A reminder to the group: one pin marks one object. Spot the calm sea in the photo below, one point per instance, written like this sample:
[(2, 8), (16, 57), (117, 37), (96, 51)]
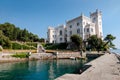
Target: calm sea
[(39, 70), (117, 51)]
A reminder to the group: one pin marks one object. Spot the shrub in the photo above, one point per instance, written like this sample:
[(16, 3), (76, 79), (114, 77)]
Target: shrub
[(27, 47), (34, 44), (21, 55), (4, 41), (56, 46), (43, 44), (16, 45)]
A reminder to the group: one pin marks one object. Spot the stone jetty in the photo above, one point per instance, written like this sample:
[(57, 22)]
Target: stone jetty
[(106, 67)]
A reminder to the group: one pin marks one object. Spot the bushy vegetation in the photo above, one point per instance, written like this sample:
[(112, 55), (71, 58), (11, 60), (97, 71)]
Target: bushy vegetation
[(97, 44), (9, 32), (17, 46), (21, 55), (109, 38), (27, 47), (4, 41), (93, 43), (56, 46), (77, 40), (15, 33), (34, 44)]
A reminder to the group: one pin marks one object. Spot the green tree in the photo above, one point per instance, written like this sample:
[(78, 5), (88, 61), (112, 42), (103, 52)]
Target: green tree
[(15, 33), (25, 35), (109, 38), (42, 40), (77, 40), (4, 41), (8, 30), (95, 43), (35, 38)]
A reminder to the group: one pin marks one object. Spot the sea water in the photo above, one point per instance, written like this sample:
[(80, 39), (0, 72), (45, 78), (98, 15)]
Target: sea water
[(117, 51), (39, 70)]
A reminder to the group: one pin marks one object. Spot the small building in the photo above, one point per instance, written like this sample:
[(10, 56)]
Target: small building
[(56, 35)]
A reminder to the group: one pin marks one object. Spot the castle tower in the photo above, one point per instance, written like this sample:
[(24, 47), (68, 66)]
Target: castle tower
[(51, 34), (96, 17)]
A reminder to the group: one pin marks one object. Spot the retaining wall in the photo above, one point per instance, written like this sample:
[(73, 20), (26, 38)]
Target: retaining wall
[(59, 55)]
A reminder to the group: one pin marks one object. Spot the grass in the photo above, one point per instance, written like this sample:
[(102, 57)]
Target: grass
[(52, 51), (18, 51), (21, 55)]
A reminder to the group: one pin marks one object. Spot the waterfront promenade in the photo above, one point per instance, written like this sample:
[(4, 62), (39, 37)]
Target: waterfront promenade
[(106, 67)]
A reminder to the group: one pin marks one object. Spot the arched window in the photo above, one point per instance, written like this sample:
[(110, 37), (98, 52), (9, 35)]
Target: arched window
[(60, 32)]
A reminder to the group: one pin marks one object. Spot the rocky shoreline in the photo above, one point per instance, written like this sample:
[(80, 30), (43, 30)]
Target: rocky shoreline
[(6, 57)]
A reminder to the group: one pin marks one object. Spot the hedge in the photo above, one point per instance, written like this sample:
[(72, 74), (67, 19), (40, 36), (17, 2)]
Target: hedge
[(21, 55), (56, 46), (16, 45)]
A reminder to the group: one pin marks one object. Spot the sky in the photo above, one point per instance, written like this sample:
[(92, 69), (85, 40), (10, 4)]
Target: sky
[(37, 15)]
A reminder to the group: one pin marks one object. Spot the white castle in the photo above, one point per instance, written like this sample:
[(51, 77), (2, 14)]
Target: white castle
[(81, 25)]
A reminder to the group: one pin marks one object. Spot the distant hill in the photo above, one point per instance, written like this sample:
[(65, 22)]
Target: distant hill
[(16, 34)]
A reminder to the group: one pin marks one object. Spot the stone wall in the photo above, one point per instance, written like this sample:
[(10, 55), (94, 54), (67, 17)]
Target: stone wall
[(59, 55), (68, 55)]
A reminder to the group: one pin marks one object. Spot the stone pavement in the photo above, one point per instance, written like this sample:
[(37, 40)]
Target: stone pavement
[(106, 67)]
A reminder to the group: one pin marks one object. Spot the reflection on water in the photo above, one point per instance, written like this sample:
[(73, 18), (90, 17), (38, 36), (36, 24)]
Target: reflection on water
[(38, 70)]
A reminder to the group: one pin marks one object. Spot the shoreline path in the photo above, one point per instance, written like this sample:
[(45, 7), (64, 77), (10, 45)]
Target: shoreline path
[(106, 67)]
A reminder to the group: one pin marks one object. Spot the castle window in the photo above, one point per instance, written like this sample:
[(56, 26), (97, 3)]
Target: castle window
[(70, 26), (65, 30), (78, 31), (91, 29), (70, 33), (53, 31), (53, 41), (94, 18), (60, 39), (87, 29), (65, 35), (60, 32), (78, 24)]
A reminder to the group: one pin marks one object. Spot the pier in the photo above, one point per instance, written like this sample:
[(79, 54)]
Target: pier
[(106, 67)]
